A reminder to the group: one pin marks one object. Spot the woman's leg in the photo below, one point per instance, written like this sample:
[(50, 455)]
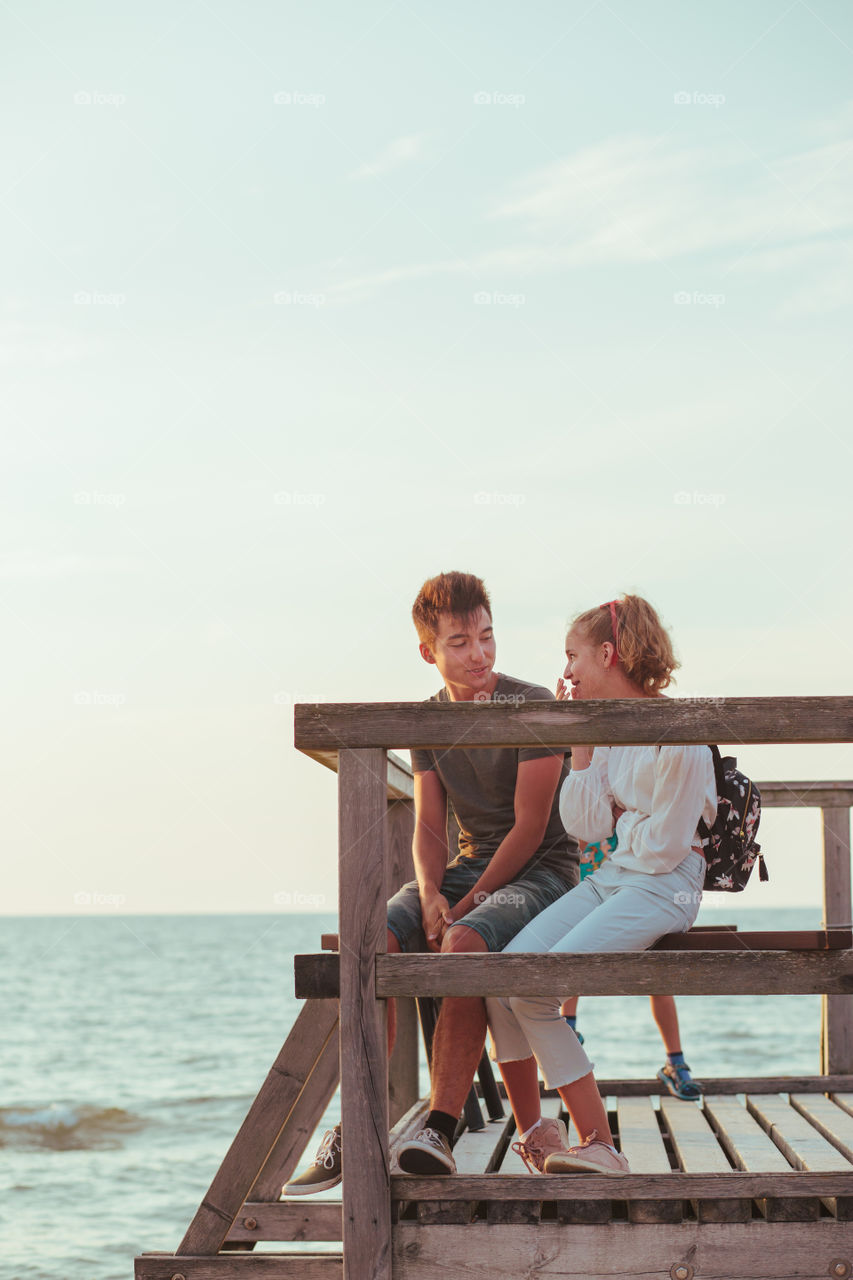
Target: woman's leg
[(509, 1043), (522, 1088), (586, 1107), (510, 1048), (637, 909)]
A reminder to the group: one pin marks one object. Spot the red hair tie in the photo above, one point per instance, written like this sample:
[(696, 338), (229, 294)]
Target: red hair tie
[(611, 604)]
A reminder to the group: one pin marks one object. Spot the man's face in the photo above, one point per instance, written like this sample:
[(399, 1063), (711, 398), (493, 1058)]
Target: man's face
[(464, 652)]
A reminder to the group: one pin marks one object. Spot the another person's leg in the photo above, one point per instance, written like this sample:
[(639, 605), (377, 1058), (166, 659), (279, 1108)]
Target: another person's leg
[(675, 1073), (666, 1017)]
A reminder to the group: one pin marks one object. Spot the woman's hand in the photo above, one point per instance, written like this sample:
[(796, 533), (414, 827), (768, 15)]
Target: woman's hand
[(581, 756)]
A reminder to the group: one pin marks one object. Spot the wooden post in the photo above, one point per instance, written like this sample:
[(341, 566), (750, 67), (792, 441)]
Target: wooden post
[(403, 1069), (836, 1039), (364, 1057)]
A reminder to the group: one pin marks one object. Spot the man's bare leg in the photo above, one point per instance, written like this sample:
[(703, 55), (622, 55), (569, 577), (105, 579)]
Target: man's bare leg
[(460, 1034)]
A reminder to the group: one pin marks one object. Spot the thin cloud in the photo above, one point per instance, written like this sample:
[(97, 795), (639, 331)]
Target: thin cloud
[(637, 199), (396, 153)]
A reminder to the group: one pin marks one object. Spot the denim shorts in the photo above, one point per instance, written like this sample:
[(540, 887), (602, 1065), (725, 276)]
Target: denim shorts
[(499, 918)]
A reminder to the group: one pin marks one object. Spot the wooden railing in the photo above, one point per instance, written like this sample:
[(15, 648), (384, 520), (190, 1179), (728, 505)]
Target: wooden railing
[(355, 739)]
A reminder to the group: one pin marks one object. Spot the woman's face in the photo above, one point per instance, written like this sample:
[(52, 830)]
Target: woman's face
[(586, 666)]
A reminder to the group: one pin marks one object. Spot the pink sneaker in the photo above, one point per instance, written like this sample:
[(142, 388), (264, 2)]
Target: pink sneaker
[(592, 1156), (548, 1138)]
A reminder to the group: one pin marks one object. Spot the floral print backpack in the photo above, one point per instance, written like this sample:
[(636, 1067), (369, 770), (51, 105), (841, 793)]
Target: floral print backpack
[(729, 845)]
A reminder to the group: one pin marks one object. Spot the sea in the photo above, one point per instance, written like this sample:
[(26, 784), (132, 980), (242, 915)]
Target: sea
[(132, 1047)]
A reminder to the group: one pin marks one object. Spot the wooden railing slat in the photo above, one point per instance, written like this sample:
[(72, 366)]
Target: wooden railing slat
[(606, 722), (836, 1010), (364, 1055), (260, 1129), (636, 973)]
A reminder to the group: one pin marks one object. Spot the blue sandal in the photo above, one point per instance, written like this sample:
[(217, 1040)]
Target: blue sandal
[(680, 1083)]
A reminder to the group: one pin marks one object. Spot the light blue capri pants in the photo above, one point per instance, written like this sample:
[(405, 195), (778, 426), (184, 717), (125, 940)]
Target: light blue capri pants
[(616, 909)]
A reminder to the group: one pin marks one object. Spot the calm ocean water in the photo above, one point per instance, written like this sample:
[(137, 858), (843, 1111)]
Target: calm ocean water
[(134, 1045)]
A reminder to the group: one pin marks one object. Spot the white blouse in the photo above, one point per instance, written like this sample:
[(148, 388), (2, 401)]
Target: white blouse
[(664, 792)]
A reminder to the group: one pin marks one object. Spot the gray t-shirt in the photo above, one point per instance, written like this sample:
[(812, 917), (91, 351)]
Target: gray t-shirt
[(480, 785)]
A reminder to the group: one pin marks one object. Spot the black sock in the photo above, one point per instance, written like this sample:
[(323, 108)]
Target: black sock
[(443, 1122)]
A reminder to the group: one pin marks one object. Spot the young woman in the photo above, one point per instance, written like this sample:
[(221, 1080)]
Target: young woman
[(650, 885)]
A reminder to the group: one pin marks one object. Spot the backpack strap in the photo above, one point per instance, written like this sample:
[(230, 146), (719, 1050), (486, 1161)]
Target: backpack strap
[(719, 781)]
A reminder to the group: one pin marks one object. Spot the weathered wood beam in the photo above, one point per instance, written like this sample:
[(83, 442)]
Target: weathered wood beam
[(330, 726), (725, 937), (727, 1085), (805, 795), (362, 809), (237, 1266), (836, 1010), (640, 973), (642, 1186), (710, 1251), (313, 1220)]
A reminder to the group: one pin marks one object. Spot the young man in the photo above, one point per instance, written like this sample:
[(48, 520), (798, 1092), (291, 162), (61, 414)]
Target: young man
[(514, 859)]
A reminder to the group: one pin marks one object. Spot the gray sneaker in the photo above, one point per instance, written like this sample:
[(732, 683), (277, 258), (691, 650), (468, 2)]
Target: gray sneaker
[(325, 1171), (427, 1152)]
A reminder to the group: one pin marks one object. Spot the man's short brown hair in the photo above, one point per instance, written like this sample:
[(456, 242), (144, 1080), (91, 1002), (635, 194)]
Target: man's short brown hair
[(454, 595)]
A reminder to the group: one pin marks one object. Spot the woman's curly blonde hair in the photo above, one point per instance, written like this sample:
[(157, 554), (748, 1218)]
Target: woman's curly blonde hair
[(643, 644)]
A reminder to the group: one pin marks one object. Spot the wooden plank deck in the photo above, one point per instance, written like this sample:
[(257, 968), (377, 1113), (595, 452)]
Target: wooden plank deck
[(641, 1141), (803, 1145), (751, 1149), (697, 1150)]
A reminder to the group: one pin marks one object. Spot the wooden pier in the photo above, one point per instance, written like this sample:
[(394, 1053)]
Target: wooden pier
[(755, 1182)]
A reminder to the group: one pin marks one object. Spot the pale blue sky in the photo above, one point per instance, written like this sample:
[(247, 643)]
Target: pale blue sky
[(304, 304)]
